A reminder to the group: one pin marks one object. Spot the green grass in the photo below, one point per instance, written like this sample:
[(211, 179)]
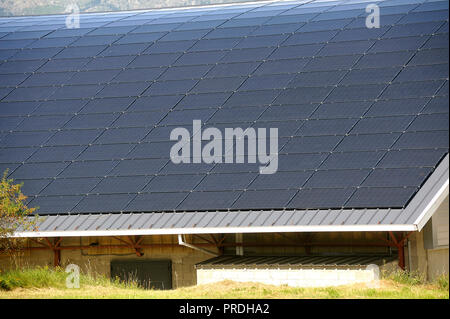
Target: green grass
[(44, 277), (50, 283)]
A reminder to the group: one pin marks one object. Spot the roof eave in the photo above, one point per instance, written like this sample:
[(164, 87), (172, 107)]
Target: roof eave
[(412, 218)]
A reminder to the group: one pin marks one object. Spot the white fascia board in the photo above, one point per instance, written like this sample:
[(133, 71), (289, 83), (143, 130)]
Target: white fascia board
[(431, 194), (432, 206), (218, 230)]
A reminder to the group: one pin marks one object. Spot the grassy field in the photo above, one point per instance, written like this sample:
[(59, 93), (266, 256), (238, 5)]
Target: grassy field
[(46, 283)]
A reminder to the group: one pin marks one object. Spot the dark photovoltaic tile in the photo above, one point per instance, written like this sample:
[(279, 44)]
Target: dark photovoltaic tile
[(382, 124), (120, 184), (155, 202), (72, 186), (362, 114), (208, 200), (55, 204), (88, 169), (337, 178), (368, 142), (103, 203), (418, 140), (320, 198), (396, 177), (372, 197), (411, 158), (352, 160), (264, 199)]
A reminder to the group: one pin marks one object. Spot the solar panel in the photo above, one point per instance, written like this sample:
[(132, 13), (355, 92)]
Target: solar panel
[(426, 121), (437, 105), (396, 177), (38, 170), (411, 89), (382, 124), (18, 139), (94, 107), (385, 59), (105, 152), (252, 98), (36, 54), (208, 200), (303, 95), (356, 93), (337, 178), (72, 186), (173, 183), (352, 160), (16, 154), (331, 63), (247, 55), (430, 139), (368, 142), (55, 204), (280, 180), (310, 37), (360, 34), (263, 199), (103, 203), (155, 103), (88, 169), (218, 85), (120, 184), (229, 115), (321, 198), (226, 33), (295, 51), (370, 76), (429, 56), (221, 182), (341, 110), (311, 144), (370, 196), (324, 78), (32, 187), (408, 30), (411, 158), (56, 154)]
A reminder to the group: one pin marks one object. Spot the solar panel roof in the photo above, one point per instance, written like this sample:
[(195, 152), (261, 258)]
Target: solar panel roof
[(362, 114)]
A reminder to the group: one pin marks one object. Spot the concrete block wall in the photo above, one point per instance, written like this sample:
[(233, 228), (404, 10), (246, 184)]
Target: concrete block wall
[(290, 277)]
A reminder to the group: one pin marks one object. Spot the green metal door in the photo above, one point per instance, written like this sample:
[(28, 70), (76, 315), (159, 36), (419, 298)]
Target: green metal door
[(149, 274)]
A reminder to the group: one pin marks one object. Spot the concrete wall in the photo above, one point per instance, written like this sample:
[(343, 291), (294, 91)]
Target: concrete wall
[(428, 250), (290, 277), (98, 260)]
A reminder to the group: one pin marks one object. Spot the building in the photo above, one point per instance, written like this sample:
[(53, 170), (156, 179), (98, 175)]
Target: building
[(362, 116)]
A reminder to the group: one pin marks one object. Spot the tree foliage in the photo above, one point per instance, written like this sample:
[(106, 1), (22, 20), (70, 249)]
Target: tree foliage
[(14, 213)]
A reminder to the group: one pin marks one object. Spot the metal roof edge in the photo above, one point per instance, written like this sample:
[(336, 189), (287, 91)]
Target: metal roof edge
[(412, 218), (430, 196), (216, 230)]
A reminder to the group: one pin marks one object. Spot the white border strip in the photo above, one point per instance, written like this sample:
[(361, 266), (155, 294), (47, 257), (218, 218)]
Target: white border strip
[(218, 230), (432, 206)]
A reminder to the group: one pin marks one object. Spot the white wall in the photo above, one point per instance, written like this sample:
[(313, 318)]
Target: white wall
[(290, 277)]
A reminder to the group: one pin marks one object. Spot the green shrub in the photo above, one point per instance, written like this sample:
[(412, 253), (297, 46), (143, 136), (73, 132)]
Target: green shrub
[(405, 277), (442, 281)]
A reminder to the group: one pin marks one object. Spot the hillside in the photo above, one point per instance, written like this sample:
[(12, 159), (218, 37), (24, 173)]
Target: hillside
[(39, 7)]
